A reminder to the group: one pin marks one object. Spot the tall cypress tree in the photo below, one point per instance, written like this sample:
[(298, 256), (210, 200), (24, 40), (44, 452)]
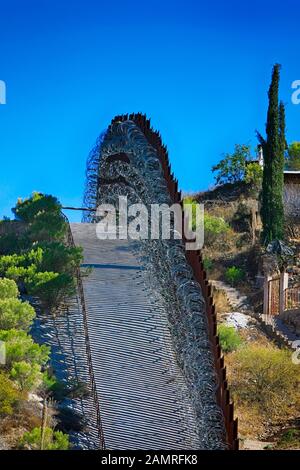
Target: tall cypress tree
[(273, 148)]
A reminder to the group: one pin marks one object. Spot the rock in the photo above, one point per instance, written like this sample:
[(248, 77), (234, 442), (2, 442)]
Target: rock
[(270, 264), (34, 397), (237, 320), (4, 445), (255, 444)]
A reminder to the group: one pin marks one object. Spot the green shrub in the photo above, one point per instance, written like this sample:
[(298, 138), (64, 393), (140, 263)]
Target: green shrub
[(27, 376), (47, 227), (21, 347), (9, 261), (231, 168), (8, 289), (9, 395), (15, 314), (42, 213), (49, 380), (27, 209), (51, 288), (60, 258), (289, 439), (16, 267), (214, 229), (31, 257), (47, 269), (57, 389), (207, 264), (192, 202), (293, 157), (229, 338), (60, 390), (254, 174), (234, 275), (34, 257), (266, 378), (53, 440), (13, 243), (19, 273)]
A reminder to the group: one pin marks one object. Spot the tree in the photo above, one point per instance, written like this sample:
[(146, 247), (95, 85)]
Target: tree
[(273, 148), (15, 314), (254, 175), (8, 289), (21, 347), (60, 258), (293, 157), (42, 213), (47, 272), (47, 226), (27, 376), (53, 440), (27, 209), (46, 267), (51, 288), (12, 243), (231, 168)]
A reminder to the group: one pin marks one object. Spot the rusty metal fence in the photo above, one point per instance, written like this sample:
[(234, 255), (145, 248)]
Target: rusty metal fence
[(194, 258), (292, 298), (274, 296)]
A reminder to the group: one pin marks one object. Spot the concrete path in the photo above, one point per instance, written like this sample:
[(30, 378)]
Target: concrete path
[(238, 301)]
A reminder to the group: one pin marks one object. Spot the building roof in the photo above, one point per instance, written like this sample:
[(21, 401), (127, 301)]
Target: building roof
[(291, 176)]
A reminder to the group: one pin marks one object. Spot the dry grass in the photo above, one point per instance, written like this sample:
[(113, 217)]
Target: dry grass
[(265, 387), (254, 424), (254, 333), (221, 302), (251, 424), (225, 211), (26, 417)]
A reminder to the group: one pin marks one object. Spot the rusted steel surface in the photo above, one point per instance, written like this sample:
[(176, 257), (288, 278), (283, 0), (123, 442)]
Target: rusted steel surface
[(274, 296), (194, 258), (292, 297)]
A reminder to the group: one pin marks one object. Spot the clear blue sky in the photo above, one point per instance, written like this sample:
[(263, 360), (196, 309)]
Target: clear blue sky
[(200, 70)]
